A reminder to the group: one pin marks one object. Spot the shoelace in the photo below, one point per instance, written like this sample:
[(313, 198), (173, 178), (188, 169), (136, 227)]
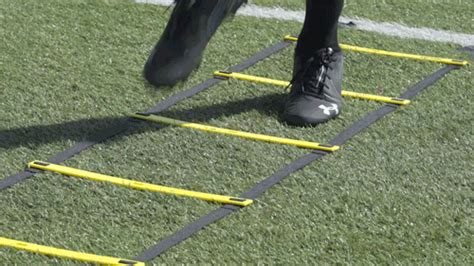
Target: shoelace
[(321, 59)]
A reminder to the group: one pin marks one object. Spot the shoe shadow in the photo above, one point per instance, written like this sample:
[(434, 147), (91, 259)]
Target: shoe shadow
[(87, 129)]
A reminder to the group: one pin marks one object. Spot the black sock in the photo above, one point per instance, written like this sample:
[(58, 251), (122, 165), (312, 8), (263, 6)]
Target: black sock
[(320, 26)]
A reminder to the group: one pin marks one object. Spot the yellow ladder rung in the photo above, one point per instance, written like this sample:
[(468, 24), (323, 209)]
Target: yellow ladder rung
[(68, 254), (236, 133), (137, 185), (365, 50), (281, 83)]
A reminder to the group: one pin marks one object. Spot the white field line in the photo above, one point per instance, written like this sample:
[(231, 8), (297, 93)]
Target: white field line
[(392, 29)]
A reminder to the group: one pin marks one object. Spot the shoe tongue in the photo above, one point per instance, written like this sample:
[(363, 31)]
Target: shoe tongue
[(314, 74), (313, 70), (315, 59), (309, 68)]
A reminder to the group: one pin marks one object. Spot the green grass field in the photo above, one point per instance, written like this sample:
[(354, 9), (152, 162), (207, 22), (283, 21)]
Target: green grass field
[(454, 15), (399, 192)]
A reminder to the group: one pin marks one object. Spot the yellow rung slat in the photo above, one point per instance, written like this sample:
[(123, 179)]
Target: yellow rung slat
[(138, 185), (230, 132), (68, 254), (365, 50), (281, 83), (375, 98)]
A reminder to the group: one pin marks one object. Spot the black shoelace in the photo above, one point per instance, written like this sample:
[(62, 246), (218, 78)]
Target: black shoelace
[(313, 84)]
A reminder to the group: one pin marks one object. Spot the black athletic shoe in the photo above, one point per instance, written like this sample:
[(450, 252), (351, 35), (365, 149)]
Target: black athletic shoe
[(189, 29), (315, 95)]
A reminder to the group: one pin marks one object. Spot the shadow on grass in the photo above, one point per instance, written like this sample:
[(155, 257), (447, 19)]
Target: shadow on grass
[(87, 129)]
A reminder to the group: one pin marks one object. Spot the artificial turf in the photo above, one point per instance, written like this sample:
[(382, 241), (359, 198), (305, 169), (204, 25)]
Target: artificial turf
[(400, 192), (452, 15)]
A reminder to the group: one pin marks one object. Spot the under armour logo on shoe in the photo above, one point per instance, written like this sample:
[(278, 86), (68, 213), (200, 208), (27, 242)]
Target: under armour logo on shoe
[(327, 110)]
